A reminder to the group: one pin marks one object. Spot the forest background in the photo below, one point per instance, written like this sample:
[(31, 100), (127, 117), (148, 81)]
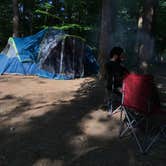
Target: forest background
[(136, 25)]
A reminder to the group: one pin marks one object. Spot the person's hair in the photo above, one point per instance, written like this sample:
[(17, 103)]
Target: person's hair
[(116, 51)]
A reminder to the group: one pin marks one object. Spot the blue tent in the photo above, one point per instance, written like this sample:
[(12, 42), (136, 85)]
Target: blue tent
[(50, 53)]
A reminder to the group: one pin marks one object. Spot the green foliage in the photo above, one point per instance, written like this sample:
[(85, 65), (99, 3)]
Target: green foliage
[(71, 26), (46, 6), (161, 26), (5, 22), (47, 14), (161, 17), (77, 17)]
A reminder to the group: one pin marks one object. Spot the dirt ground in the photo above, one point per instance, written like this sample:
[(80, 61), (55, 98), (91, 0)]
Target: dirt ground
[(61, 123)]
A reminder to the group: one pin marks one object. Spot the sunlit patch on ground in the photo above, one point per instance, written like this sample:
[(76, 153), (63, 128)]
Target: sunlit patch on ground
[(100, 124)]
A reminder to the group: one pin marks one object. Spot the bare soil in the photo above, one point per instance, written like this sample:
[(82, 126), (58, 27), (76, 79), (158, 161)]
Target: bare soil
[(58, 123)]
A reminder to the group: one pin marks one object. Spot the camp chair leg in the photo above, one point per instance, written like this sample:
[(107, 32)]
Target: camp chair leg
[(163, 128), (147, 147), (152, 142), (126, 129), (122, 132), (121, 122), (132, 130), (111, 111)]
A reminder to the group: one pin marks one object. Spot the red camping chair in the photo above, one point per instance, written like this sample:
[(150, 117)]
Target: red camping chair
[(137, 106)]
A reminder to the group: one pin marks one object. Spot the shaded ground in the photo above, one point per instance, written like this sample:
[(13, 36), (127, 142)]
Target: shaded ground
[(56, 123)]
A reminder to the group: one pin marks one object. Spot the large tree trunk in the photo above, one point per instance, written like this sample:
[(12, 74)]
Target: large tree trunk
[(146, 32), (28, 15), (107, 27), (149, 16), (15, 18)]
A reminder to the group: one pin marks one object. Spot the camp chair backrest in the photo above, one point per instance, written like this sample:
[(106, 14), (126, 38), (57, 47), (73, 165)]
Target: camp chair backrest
[(137, 92)]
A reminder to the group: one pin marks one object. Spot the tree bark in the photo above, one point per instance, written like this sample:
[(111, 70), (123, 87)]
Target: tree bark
[(15, 18), (145, 39), (149, 16), (108, 18), (28, 15)]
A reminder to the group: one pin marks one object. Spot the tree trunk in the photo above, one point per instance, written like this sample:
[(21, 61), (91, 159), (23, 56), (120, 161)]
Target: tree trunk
[(107, 27), (28, 15), (15, 18), (149, 16), (146, 32)]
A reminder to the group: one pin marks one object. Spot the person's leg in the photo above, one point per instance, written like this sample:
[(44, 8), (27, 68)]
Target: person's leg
[(116, 100), (110, 102)]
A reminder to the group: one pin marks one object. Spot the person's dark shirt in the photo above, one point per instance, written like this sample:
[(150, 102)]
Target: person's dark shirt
[(114, 74)]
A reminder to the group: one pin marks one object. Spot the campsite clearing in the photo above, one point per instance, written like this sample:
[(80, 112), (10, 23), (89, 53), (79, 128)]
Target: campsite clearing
[(59, 122)]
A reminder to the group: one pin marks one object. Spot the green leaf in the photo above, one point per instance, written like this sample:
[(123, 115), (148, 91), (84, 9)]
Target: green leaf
[(73, 26), (47, 14)]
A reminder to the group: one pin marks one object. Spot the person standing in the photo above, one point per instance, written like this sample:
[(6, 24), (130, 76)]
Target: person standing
[(113, 76)]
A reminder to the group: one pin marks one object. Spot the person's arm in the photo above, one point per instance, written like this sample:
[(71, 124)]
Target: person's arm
[(125, 71)]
